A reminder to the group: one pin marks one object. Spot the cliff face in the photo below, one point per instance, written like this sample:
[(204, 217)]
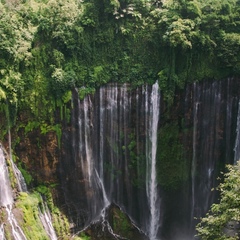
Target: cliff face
[(40, 155), (102, 154)]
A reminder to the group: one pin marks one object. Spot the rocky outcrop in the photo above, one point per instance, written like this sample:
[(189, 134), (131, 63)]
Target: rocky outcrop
[(39, 155)]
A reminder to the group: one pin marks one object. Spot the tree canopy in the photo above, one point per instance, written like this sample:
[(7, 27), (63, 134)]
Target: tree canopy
[(47, 47)]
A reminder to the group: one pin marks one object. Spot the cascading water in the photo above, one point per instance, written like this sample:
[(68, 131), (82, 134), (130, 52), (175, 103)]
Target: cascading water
[(213, 120), (152, 186), (110, 134), (207, 106), (237, 141), (109, 155), (193, 167), (46, 220), (22, 186), (6, 199), (2, 233), (17, 232)]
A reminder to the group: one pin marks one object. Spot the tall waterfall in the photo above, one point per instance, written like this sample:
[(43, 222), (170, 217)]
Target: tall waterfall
[(237, 141), (206, 143), (110, 155), (110, 151), (194, 157), (151, 151), (214, 129)]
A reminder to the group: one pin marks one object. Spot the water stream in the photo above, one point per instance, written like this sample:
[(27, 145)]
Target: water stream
[(2, 233), (237, 141), (46, 220), (109, 155), (112, 153), (22, 186), (6, 199), (152, 185)]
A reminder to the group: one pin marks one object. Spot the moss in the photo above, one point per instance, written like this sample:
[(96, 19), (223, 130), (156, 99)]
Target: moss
[(27, 176), (83, 91), (29, 203), (12, 177), (172, 167), (82, 236), (60, 222), (31, 224), (120, 222)]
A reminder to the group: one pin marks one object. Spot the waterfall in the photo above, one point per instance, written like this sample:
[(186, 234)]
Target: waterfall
[(22, 186), (46, 221), (214, 134), (109, 154), (6, 199), (17, 232), (87, 125), (207, 107), (152, 191), (237, 141), (194, 158), (2, 234)]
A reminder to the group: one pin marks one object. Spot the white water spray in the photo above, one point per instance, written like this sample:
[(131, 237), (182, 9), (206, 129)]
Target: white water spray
[(152, 192), (237, 141), (22, 186), (17, 232), (46, 220), (193, 168), (2, 233), (6, 200), (6, 197), (87, 134)]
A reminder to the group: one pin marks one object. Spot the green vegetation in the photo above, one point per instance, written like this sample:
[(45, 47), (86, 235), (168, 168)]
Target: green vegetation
[(172, 167), (82, 236), (31, 224), (48, 47), (27, 176), (60, 222), (121, 224), (217, 223), (28, 205)]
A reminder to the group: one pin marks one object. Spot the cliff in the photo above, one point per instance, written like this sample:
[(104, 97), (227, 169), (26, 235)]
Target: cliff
[(101, 158)]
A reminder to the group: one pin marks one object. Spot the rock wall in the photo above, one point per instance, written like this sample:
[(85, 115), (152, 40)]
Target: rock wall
[(197, 132)]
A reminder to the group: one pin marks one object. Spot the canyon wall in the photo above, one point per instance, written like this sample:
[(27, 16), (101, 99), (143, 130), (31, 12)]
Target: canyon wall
[(105, 147)]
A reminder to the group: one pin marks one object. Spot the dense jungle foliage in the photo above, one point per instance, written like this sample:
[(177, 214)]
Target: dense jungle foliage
[(49, 47)]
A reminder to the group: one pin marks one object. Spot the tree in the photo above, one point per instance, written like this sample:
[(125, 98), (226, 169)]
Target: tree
[(222, 221)]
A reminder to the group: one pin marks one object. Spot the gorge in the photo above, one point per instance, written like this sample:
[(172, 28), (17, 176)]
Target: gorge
[(125, 147)]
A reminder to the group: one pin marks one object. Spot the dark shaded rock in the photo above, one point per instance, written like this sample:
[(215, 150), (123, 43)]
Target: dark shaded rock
[(116, 225)]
